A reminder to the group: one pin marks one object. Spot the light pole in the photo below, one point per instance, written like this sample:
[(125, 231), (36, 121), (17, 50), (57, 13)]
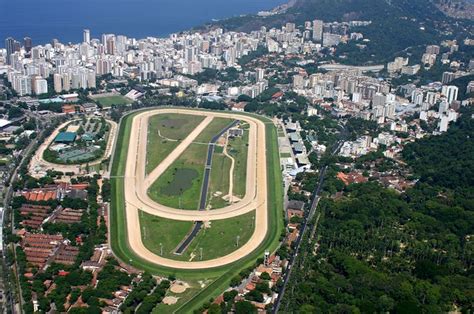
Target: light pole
[(237, 241), (200, 250)]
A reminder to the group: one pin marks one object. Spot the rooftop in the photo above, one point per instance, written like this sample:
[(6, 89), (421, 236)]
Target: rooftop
[(65, 137)]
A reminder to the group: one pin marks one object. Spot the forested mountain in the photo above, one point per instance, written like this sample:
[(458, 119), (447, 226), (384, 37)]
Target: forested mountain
[(380, 251), (384, 252), (456, 8), (396, 24), (446, 160)]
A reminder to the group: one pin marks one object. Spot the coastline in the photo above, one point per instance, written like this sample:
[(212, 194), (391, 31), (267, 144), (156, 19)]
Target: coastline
[(170, 18)]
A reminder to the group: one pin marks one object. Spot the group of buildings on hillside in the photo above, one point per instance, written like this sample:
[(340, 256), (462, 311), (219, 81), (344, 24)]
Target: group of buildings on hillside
[(76, 66)]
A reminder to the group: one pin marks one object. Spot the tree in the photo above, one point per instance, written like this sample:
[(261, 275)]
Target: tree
[(244, 307), (235, 281), (230, 295), (265, 276), (14, 112)]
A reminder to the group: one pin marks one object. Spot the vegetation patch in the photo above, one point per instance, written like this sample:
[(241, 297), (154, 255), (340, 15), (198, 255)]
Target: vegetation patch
[(181, 190), (219, 180), (181, 182), (115, 100), (221, 237), (161, 235), (81, 141), (216, 125), (164, 133), (238, 149), (217, 238)]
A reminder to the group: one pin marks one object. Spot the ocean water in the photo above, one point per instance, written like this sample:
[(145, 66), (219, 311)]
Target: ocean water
[(43, 20)]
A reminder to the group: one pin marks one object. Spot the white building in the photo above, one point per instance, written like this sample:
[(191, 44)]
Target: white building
[(40, 85), (451, 92)]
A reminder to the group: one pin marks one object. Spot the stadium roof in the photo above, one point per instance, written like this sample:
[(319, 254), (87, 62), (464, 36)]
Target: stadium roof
[(65, 137)]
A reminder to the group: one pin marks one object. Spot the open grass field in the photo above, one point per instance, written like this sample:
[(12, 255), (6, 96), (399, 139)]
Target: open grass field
[(164, 133), (169, 233), (109, 101), (218, 277), (216, 125), (219, 181), (219, 238), (238, 150), (180, 185), (220, 173)]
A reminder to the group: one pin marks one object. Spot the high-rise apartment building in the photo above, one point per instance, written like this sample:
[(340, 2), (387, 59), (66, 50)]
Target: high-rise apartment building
[(10, 45), (317, 30), (58, 84), (28, 44), (451, 93), (86, 35), (40, 85), (260, 74), (111, 45)]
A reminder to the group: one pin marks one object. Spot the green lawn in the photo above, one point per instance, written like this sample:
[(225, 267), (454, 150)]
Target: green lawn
[(238, 149), (220, 276), (219, 180), (220, 173), (117, 100), (193, 158), (219, 239), (186, 194), (216, 125), (172, 127), (156, 230)]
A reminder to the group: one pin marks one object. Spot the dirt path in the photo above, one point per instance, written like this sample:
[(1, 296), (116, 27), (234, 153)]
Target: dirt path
[(230, 194)]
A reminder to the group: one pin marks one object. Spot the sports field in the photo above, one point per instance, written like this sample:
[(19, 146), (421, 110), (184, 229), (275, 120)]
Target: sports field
[(115, 100)]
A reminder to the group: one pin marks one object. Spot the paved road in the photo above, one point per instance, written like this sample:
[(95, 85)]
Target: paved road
[(304, 227), (6, 204), (190, 237), (137, 183), (207, 170), (204, 188)]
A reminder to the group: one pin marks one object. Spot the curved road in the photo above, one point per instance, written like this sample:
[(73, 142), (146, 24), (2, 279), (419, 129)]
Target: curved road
[(38, 165), (137, 183)]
